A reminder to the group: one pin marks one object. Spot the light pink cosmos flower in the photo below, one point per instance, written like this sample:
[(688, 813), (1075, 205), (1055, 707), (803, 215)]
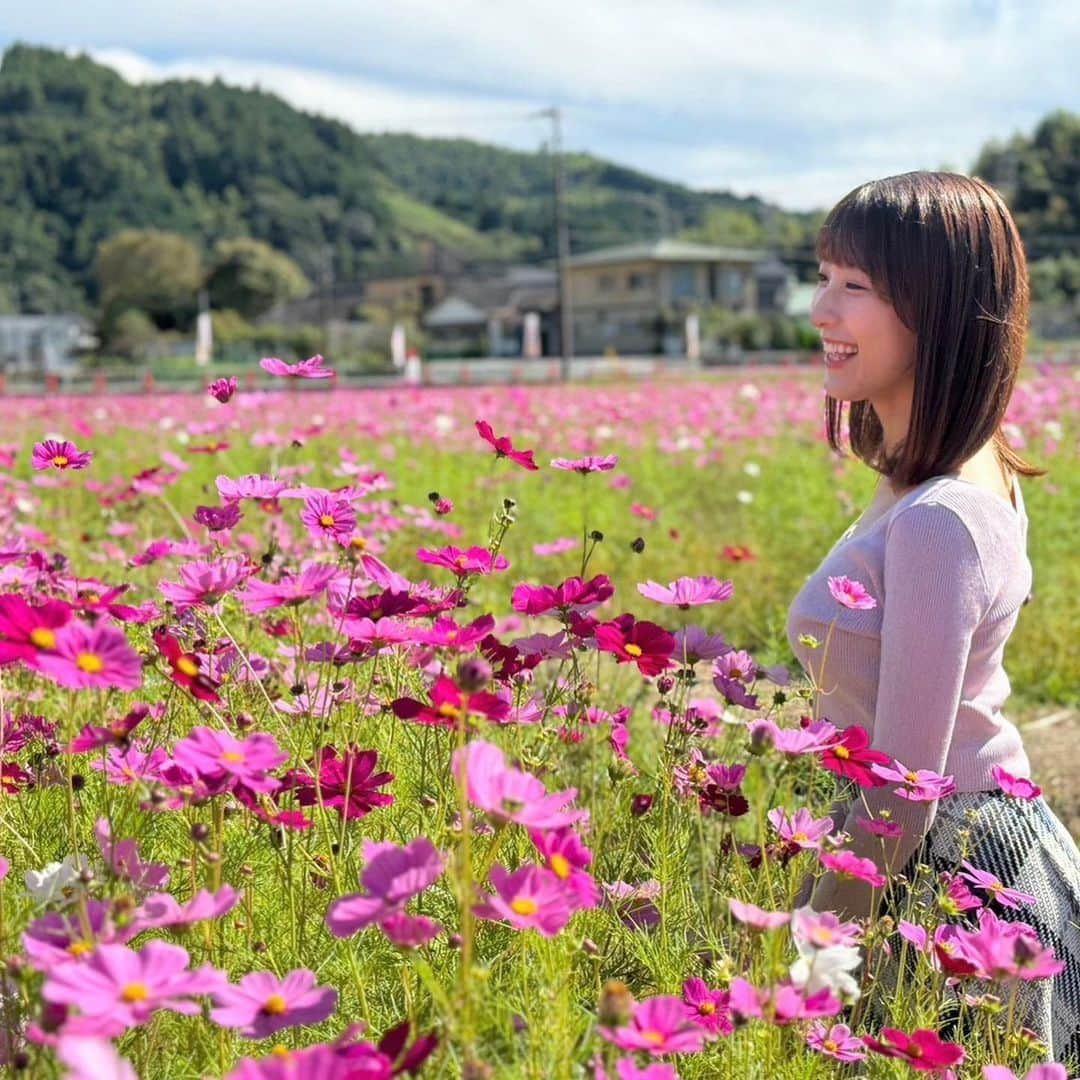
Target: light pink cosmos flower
[(851, 594), (86, 657), (1016, 787), (162, 909), (1005, 951), (919, 785), (801, 829), (848, 864), (392, 876), (59, 454), (222, 760), (410, 931), (836, 1042), (508, 794), (529, 898), (695, 644), (555, 547), (89, 1058), (823, 930), (122, 859), (585, 465), (1036, 1072), (328, 517), (251, 486), (261, 1003), (628, 1069), (311, 368), (757, 918), (117, 988), (658, 1025), (782, 1003), (1008, 898), (813, 739), (292, 589), (687, 592), (205, 583)]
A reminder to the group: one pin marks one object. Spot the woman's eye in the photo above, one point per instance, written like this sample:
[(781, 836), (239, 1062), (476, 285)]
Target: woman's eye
[(854, 286)]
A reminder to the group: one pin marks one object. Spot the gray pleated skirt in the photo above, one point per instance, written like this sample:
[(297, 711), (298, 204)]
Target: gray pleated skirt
[(1026, 847)]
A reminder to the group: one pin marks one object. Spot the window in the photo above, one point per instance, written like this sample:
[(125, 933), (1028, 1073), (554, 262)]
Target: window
[(683, 282), (638, 279), (605, 283)]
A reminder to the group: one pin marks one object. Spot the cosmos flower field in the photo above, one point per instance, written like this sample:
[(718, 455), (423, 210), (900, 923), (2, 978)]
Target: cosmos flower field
[(454, 732)]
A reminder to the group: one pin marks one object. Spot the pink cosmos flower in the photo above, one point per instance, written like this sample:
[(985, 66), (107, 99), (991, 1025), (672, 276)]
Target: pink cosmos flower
[(1016, 787), (160, 910), (218, 518), (529, 898), (122, 859), (311, 368), (643, 643), (802, 830), (658, 1025), (782, 1003), (58, 937), (585, 465), (85, 657), (222, 389), (451, 705), (222, 760), (26, 629), (508, 794), (852, 757), (291, 590), (1009, 898), (836, 1042), (116, 988), (923, 1050), (851, 594), (848, 864), (706, 1007), (59, 454), (504, 448), (474, 560), (1004, 951), (261, 1003), (556, 547), (823, 930), (628, 1069), (697, 644), (566, 857), (446, 634), (328, 517), (392, 876), (573, 594), (687, 592), (757, 918), (880, 826), (409, 931), (251, 486), (813, 739), (919, 785), (89, 1058), (1036, 1072)]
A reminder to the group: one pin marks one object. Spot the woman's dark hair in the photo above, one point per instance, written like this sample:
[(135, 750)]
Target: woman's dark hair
[(944, 250)]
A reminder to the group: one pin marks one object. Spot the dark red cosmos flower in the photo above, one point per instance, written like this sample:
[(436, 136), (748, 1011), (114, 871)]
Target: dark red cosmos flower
[(217, 518), (923, 1050), (14, 778), (26, 629), (347, 783), (507, 658), (851, 757), (504, 448), (185, 668), (398, 1057), (642, 643), (449, 705), (222, 389), (385, 604), (117, 733)]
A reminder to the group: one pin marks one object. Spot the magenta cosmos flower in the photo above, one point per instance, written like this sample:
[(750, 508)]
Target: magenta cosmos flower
[(836, 1042), (1004, 951), (392, 876), (642, 643), (508, 794), (204, 583), (504, 447), (1009, 898), (923, 1050), (289, 591), (451, 705), (222, 760), (782, 1003), (311, 368), (848, 864), (852, 757), (59, 454), (566, 857), (250, 486), (26, 629), (1036, 1072), (261, 1003), (687, 592), (658, 1025), (87, 657), (328, 517), (851, 594), (573, 594), (801, 830), (706, 1007), (1016, 787), (530, 898), (586, 465), (115, 988), (474, 560), (222, 389), (348, 783), (159, 910)]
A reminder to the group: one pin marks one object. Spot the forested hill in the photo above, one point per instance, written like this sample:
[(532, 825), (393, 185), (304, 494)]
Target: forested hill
[(84, 154)]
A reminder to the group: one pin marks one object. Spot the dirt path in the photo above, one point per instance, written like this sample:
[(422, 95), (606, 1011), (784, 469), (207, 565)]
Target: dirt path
[(1052, 740)]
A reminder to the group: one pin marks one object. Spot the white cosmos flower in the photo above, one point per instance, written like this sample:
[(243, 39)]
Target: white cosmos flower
[(831, 967), (48, 884), (745, 497), (752, 468)]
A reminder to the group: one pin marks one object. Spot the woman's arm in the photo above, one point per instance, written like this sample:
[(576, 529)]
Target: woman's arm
[(935, 596)]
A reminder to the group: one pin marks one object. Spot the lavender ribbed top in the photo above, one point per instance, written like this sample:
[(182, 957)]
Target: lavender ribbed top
[(922, 672)]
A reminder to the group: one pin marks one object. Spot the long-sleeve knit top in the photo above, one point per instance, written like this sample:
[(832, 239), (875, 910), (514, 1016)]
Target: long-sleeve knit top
[(922, 671)]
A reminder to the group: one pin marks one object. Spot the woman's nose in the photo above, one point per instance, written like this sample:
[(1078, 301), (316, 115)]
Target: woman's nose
[(821, 313)]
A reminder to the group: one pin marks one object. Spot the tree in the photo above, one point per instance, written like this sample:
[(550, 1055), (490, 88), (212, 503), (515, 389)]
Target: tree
[(158, 273), (250, 277)]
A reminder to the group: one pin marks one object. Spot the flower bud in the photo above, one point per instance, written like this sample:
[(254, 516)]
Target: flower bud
[(664, 685), (473, 674), (640, 804), (616, 1004), (637, 545)]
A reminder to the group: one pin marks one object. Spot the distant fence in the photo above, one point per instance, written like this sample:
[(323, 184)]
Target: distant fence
[(479, 371)]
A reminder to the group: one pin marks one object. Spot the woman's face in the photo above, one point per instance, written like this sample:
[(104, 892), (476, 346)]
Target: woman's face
[(869, 352)]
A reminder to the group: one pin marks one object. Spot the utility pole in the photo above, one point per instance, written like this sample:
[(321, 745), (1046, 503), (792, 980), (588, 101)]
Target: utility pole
[(562, 241)]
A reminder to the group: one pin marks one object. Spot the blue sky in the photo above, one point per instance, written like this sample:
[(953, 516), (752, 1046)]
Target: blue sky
[(795, 101)]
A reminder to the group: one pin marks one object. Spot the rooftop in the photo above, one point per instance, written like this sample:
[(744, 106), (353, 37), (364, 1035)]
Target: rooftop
[(667, 251)]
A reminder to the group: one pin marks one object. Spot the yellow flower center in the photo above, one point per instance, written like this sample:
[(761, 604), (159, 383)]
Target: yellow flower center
[(799, 837), (820, 935), (60, 460), (79, 948), (560, 865), (842, 752), (376, 614), (911, 778), (653, 1036), (281, 1051), (632, 649), (187, 666), (89, 662), (524, 906), (275, 1005), (43, 637), (93, 598), (134, 992), (707, 1008), (450, 711), (359, 542), (232, 755), (326, 521), (831, 1045)]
